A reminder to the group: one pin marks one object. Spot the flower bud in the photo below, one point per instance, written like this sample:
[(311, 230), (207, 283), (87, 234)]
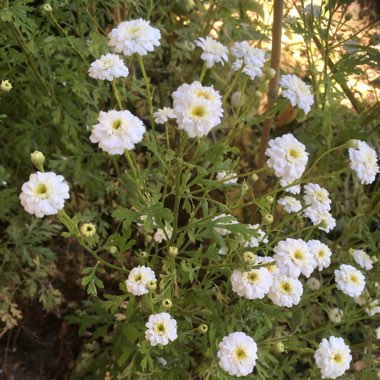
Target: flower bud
[(6, 86), (351, 252), (38, 160), (173, 251), (279, 348), (258, 94), (270, 73), (120, 317), (353, 143), (374, 259), (151, 285), (348, 16), (144, 254), (269, 199), (112, 250), (47, 8), (203, 328), (167, 303), (237, 99), (378, 375), (87, 230), (268, 219), (249, 257), (254, 177)]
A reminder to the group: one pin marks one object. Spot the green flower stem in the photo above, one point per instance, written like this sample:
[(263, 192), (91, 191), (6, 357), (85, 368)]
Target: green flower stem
[(177, 185), (117, 95), (236, 77), (242, 97), (68, 223), (203, 73)]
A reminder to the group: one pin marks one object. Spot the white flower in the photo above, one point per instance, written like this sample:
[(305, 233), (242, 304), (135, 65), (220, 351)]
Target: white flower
[(321, 252), (44, 194), (213, 51), (364, 162), (237, 354), (226, 177), (290, 204), (373, 307), (252, 284), (324, 219), (108, 67), (287, 157), (293, 257), (161, 116), (161, 328), (198, 108), (273, 270), (117, 131), (333, 357), (160, 235), (363, 259), (249, 69), (138, 279), (222, 251), (313, 283), (295, 189), (257, 238), (335, 315), (349, 280), (297, 92), (317, 197), (135, 36), (285, 291), (223, 219)]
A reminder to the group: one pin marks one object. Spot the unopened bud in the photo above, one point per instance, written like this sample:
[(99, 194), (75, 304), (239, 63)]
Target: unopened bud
[(112, 250), (374, 259), (254, 177), (249, 257), (173, 251), (258, 94), (270, 73), (38, 160), (268, 219), (6, 86), (144, 254), (120, 317), (47, 8), (151, 285), (351, 252), (353, 143), (279, 347), (167, 303), (269, 199), (87, 229), (348, 16), (237, 99), (203, 328)]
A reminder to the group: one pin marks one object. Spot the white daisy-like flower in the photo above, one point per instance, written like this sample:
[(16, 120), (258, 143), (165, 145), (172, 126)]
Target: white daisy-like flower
[(335, 315), (364, 162), (213, 51), (226, 177), (197, 108), (321, 252), (285, 291), (252, 284), (138, 279), (134, 36), (295, 189), (249, 69), (349, 280), (373, 307), (161, 116), (290, 204), (317, 197), (324, 220), (161, 329), (293, 257), (313, 283), (117, 131), (108, 67), (297, 92), (333, 357), (257, 238), (363, 259), (223, 220), (237, 354), (287, 157), (44, 194), (160, 235)]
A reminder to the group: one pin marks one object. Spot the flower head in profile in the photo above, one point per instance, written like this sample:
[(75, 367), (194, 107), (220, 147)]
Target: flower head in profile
[(161, 234), (349, 280), (226, 177), (44, 194), (161, 329), (252, 284), (290, 204), (321, 252), (117, 131), (323, 219), (297, 92), (285, 291), (138, 279), (363, 259), (237, 354), (335, 314), (364, 162), (108, 67), (161, 116), (135, 36), (317, 197), (213, 51), (333, 357), (197, 108), (313, 283), (373, 307), (287, 157)]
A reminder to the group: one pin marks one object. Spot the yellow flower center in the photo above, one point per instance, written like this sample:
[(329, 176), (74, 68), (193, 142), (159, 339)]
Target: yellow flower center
[(321, 253), (203, 94), (239, 354), (41, 191), (285, 287), (138, 277), (338, 358), (116, 124), (251, 277), (198, 112), (292, 155), (159, 328), (353, 278), (298, 255)]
